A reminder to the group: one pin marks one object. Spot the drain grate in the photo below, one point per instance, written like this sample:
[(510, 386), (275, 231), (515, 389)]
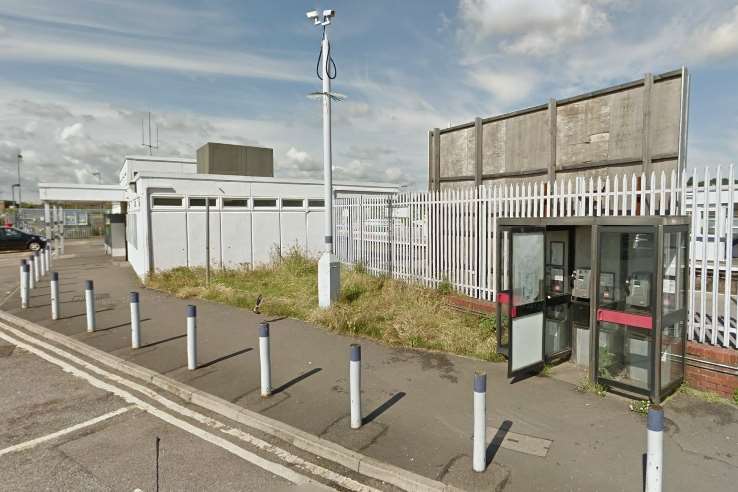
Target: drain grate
[(6, 350)]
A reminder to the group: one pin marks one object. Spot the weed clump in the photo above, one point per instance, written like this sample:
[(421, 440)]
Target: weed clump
[(382, 308)]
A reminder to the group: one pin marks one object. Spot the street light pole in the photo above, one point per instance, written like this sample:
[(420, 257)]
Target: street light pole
[(20, 200), (329, 268)]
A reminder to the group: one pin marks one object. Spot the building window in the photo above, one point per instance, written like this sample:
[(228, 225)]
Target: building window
[(235, 202), (200, 202), (293, 203), (166, 201), (316, 203), (265, 203)]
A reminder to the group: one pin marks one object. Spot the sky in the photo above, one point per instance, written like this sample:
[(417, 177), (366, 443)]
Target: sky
[(77, 77)]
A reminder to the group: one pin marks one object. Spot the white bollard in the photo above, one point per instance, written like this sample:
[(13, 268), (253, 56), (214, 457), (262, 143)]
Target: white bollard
[(191, 337), (42, 262), (36, 268), (135, 321), (47, 252), (31, 276), (654, 454), (355, 385), (479, 453), (264, 360), (25, 272), (90, 305), (55, 295)]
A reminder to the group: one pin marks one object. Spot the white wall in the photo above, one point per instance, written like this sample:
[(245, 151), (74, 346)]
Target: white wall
[(238, 235)]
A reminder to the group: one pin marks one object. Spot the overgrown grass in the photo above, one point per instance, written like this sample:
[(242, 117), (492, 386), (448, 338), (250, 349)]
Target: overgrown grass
[(382, 308), (708, 396)]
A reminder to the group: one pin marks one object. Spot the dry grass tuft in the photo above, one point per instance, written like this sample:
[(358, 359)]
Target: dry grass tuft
[(377, 307)]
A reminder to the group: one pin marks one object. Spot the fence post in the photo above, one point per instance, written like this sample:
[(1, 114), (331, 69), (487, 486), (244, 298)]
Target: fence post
[(55, 295), (479, 463), (264, 360), (191, 337), (390, 230), (90, 305), (655, 443), (135, 321), (355, 385), (24, 276)]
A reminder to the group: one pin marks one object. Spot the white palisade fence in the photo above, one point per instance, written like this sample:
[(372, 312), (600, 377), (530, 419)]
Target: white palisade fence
[(448, 236)]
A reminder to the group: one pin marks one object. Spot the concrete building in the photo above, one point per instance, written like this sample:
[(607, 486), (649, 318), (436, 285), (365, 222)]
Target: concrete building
[(638, 126), (165, 201), (240, 160)]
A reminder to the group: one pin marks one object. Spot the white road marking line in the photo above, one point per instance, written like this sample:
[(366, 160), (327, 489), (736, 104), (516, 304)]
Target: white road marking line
[(203, 419), (50, 437)]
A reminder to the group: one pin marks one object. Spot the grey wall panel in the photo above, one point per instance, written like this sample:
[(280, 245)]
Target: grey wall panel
[(493, 150), (293, 231), (583, 131), (457, 153), (315, 221), (168, 245), (626, 124), (266, 235), (665, 100), (594, 131), (236, 237), (196, 239), (526, 142)]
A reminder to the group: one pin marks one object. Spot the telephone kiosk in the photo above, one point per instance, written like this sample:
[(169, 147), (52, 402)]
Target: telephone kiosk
[(631, 335)]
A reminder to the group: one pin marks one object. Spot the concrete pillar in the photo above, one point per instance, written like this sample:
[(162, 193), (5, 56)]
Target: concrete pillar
[(646, 142), (552, 116)]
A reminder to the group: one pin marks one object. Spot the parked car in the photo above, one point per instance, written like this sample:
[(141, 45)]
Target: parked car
[(13, 239)]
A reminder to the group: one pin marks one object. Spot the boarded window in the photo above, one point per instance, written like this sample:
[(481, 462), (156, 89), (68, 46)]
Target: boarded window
[(316, 203), (235, 202), (200, 202), (292, 203), (167, 201), (265, 202)]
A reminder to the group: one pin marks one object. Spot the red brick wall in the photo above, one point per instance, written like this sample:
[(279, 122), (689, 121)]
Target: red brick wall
[(708, 379)]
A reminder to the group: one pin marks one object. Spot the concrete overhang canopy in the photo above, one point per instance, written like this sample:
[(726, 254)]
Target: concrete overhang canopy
[(74, 192)]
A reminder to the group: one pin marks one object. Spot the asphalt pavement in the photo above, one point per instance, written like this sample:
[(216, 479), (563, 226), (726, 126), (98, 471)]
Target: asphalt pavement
[(544, 435)]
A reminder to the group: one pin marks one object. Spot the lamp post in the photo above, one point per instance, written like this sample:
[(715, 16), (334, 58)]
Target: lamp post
[(329, 268), (20, 200)]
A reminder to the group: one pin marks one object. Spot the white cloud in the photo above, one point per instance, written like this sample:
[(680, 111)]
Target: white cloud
[(506, 86), (93, 48), (716, 39), (68, 132), (532, 27)]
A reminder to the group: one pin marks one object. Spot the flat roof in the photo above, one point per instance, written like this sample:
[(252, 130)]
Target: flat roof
[(159, 158), (258, 179)]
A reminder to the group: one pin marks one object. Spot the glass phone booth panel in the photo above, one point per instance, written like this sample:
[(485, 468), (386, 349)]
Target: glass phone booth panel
[(527, 300), (641, 308)]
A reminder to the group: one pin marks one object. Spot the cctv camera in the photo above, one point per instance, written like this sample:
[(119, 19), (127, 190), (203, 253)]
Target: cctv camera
[(313, 14), (329, 13)]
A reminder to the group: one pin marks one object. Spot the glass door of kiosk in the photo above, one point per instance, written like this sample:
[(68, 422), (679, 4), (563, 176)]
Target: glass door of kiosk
[(533, 325)]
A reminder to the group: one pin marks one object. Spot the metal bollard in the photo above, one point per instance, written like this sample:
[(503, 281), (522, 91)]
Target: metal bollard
[(25, 272), (47, 252), (479, 461), (264, 360), (135, 321), (355, 385), (90, 305), (42, 262), (191, 337), (55, 295), (654, 454), (31, 277), (36, 268)]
